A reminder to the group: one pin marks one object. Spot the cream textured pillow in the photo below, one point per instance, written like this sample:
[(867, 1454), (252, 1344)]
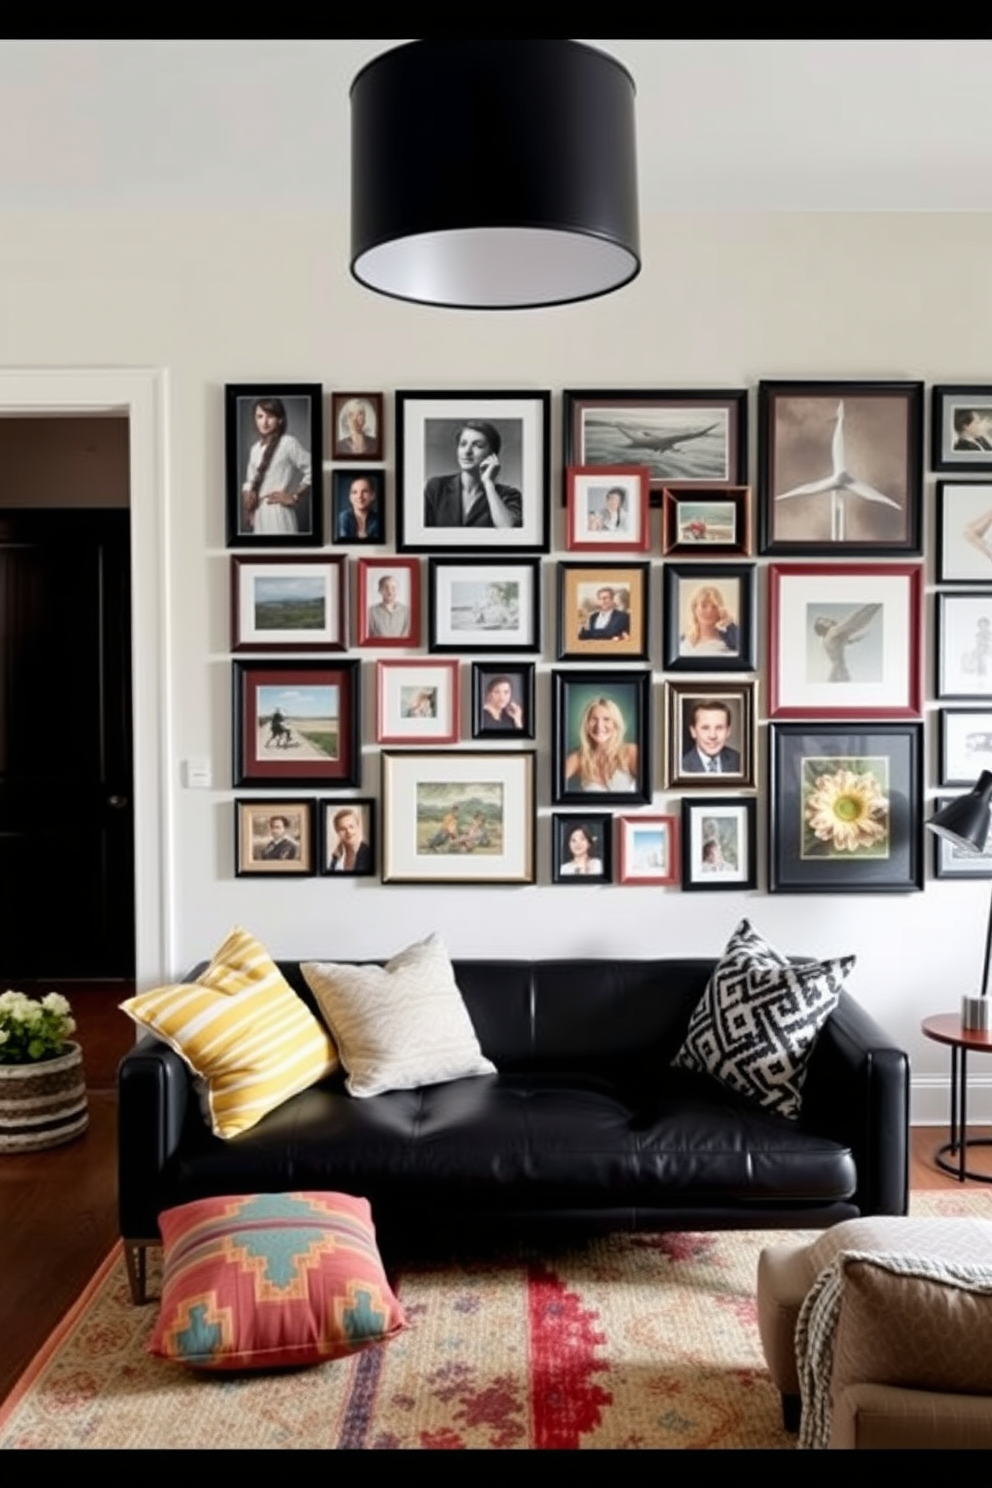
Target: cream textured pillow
[(400, 1025), (243, 1030)]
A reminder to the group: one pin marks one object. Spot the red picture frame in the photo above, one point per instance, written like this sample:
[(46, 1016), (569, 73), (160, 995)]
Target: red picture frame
[(589, 510), (635, 865), (417, 701), (370, 573)]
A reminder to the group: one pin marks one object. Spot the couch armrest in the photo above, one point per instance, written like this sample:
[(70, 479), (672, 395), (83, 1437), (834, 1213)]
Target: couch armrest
[(857, 1092), (886, 1416), (154, 1087)]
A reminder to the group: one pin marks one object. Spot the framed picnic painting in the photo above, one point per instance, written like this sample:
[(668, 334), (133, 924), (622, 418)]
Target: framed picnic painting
[(288, 604), (503, 701), (706, 522), (684, 438), (357, 426), (964, 532), (296, 721), (608, 508), (416, 702), (274, 839), (955, 862), (603, 611), (649, 849), (964, 644), (387, 602), (710, 728), (346, 837), (709, 618), (719, 850), (477, 605), (965, 744), (840, 467), (458, 816), (274, 444), (581, 848), (602, 737), (358, 506), (844, 808), (961, 427), (844, 640), (472, 471)]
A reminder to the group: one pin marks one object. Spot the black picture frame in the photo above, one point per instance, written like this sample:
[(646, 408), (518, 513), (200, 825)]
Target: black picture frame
[(330, 746), (626, 629), (262, 851), (299, 525), (964, 532), (480, 604), (627, 700), (965, 744), (511, 725), (719, 847), (330, 854), (344, 526), (815, 849), (823, 444), (686, 587), (953, 862), (706, 522), (597, 830), (968, 447), (963, 644)]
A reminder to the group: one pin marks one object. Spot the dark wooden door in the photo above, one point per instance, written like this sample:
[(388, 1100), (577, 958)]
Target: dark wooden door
[(66, 811)]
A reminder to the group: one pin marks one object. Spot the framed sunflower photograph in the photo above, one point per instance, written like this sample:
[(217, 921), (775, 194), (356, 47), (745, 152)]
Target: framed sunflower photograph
[(844, 808)]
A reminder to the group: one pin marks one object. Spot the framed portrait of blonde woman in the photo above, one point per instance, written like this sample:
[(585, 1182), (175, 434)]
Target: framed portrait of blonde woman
[(602, 737), (708, 623)]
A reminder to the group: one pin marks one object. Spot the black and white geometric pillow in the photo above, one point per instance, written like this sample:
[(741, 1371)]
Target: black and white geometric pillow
[(755, 1026)]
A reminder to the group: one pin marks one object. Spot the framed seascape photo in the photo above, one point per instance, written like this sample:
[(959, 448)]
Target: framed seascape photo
[(347, 837), (287, 604), (649, 849), (712, 522), (710, 734), (718, 843), (603, 611), (608, 508), (475, 605), (964, 532), (964, 645), (965, 744), (709, 618), (684, 438), (602, 737), (416, 702), (502, 700), (961, 428), (458, 816), (844, 640), (296, 721), (357, 431), (387, 602), (840, 467), (844, 808), (954, 862), (472, 471), (358, 506), (274, 443), (274, 838), (581, 848)]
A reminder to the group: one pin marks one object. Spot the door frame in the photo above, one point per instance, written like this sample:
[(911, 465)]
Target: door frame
[(140, 393)]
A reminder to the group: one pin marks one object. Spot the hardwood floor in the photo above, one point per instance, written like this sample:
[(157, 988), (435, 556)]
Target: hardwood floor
[(58, 1209)]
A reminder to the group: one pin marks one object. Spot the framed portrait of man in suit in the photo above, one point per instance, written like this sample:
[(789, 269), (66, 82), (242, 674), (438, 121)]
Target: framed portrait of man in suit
[(603, 611), (710, 734)]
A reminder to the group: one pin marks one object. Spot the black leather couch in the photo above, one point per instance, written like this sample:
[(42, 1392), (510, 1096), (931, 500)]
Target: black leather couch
[(586, 1123)]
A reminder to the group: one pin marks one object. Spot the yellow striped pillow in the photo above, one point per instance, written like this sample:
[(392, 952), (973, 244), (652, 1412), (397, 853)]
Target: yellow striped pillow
[(243, 1030)]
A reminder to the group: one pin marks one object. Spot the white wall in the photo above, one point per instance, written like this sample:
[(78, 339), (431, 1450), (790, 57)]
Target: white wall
[(723, 301)]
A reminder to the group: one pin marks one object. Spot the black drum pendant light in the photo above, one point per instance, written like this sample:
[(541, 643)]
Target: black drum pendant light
[(493, 175)]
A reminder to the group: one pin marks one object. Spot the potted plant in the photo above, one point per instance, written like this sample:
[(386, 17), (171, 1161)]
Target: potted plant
[(42, 1084)]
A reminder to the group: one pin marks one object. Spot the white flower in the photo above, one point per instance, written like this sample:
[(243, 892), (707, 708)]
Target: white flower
[(847, 810)]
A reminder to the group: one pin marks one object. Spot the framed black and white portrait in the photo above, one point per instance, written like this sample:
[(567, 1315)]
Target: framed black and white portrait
[(274, 444)]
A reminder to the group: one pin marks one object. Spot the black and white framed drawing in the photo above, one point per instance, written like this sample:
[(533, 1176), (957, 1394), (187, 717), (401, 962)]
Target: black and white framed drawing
[(964, 644), (964, 532)]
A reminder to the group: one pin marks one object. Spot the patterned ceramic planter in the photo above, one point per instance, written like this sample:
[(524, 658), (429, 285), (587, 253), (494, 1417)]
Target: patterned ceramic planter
[(43, 1104)]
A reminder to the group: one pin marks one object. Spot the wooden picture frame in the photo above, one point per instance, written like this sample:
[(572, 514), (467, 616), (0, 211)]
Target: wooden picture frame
[(358, 506), (274, 838), (710, 728), (358, 430), (706, 522), (608, 509), (709, 623), (296, 722), (387, 602), (961, 427), (603, 611), (346, 834), (417, 702), (274, 448), (288, 603), (477, 604), (503, 701), (581, 847), (719, 847), (611, 713), (649, 850)]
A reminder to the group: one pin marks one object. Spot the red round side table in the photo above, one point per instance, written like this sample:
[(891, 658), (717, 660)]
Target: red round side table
[(946, 1028)]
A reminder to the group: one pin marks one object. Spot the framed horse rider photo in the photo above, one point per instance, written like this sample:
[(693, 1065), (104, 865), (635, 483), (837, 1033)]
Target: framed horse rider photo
[(296, 722)]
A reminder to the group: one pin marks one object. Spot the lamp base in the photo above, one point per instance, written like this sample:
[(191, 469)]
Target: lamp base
[(976, 1013)]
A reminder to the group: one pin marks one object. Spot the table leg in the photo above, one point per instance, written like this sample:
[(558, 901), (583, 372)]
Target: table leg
[(963, 1123), (954, 1100)]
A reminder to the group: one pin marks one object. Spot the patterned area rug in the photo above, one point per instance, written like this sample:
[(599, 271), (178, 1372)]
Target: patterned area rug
[(628, 1341)]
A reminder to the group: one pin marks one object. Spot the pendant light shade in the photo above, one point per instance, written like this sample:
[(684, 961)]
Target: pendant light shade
[(493, 175)]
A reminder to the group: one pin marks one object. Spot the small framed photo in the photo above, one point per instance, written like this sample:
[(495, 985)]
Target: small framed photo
[(502, 700), (358, 506), (472, 471), (964, 532), (706, 522), (347, 836), (961, 428), (358, 432), (602, 737), (458, 816), (649, 849), (603, 611), (965, 744), (710, 734), (581, 848), (416, 702), (296, 721), (840, 467), (718, 843), (844, 812), (476, 605), (274, 438), (387, 602), (844, 640), (964, 645), (684, 438), (709, 618), (287, 604), (954, 862), (274, 838), (608, 507)]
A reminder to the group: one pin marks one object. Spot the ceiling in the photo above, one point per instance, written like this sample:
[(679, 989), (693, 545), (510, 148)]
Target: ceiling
[(722, 125)]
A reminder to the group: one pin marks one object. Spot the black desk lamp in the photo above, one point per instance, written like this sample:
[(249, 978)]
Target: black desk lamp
[(965, 822)]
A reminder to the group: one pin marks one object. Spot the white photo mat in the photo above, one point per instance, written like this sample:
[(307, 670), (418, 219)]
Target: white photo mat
[(262, 586), (965, 532), (732, 826), (964, 636), (966, 744), (399, 683), (463, 616), (419, 790)]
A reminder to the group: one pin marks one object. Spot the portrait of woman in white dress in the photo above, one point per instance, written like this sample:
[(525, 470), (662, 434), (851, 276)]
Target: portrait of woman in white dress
[(274, 436)]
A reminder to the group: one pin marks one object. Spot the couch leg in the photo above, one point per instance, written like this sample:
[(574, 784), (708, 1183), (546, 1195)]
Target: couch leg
[(135, 1256), (792, 1408)]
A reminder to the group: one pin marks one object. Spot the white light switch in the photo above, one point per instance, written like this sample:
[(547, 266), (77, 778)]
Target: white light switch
[(197, 774)]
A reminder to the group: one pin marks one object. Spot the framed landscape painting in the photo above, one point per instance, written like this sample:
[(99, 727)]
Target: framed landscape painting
[(296, 721), (287, 604)]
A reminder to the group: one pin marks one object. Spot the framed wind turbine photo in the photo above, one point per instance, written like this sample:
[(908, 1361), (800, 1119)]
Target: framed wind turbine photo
[(840, 467)]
